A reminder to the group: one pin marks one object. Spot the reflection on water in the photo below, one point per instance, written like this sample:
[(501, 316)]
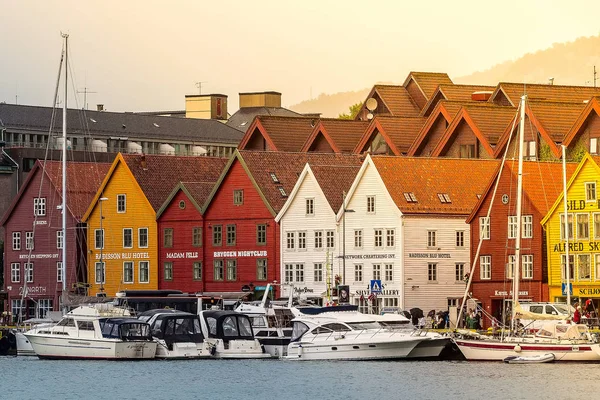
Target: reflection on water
[(30, 378)]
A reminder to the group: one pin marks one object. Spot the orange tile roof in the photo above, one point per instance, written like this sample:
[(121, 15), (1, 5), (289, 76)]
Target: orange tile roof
[(397, 100), (402, 131), (429, 81), (445, 109), (159, 174), (343, 132), (537, 92), (285, 133), (460, 93), (461, 179), (591, 108), (556, 118), (335, 180), (491, 120)]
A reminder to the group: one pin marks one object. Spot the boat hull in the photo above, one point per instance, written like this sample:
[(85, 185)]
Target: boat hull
[(347, 350), (236, 349), (24, 348), (275, 346), (182, 350), (429, 348), (493, 350), (51, 347)]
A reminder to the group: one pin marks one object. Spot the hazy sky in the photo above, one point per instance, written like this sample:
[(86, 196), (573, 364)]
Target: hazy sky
[(141, 55)]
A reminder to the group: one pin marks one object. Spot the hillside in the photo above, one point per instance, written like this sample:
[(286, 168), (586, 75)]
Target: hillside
[(569, 63)]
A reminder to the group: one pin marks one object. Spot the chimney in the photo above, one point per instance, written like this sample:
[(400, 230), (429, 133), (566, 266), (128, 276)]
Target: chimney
[(206, 106), (99, 107), (481, 96), (260, 99), (144, 163)]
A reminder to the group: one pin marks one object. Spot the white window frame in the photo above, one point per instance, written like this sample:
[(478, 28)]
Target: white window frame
[(290, 241), (459, 271), (596, 225), (299, 273), (140, 237), (377, 271), (512, 227), (121, 199), (15, 272), (128, 265), (100, 278), (371, 204), (594, 145), (358, 239), (310, 207), (485, 267), (131, 239), (289, 273), (330, 239), (586, 223), (460, 239), (218, 266), (390, 238), (527, 226), (197, 270), (59, 271), (431, 238), (389, 272), (39, 206), (563, 270), (597, 266), (302, 240), (570, 225), (378, 238), (147, 268), (99, 240), (484, 228), (29, 243), (59, 239), (16, 241), (593, 192), (168, 270), (318, 272), (527, 266), (589, 258), (358, 272), (318, 240), (231, 275), (432, 272), (510, 267)]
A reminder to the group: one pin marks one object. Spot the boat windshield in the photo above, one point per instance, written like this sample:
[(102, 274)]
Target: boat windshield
[(298, 329), (358, 326), (134, 331)]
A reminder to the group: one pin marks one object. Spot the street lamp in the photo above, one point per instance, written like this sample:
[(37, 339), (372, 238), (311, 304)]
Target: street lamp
[(101, 200), (345, 210)]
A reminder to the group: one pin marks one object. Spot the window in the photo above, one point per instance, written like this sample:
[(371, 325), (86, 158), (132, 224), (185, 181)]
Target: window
[(121, 203), (563, 259), (282, 191), (358, 272), (289, 273), (389, 272), (590, 191), (593, 145), (432, 272), (127, 238), (444, 198), (330, 239), (410, 197), (231, 239), (510, 266), (527, 261), (168, 237), (197, 236), (378, 235), (370, 204), (358, 239), (460, 239), (274, 177), (318, 240), (197, 271), (231, 270), (59, 239), (467, 151), (583, 226), (100, 273), (218, 270), (459, 272), (261, 234), (16, 308), (99, 238), (485, 267), (583, 267), (15, 272), (431, 239), (530, 151), (238, 197), (168, 271), (390, 238), (377, 271), (484, 228), (39, 206), (217, 235), (512, 226), (44, 305), (301, 240), (527, 226), (144, 273), (128, 272), (59, 271), (28, 240), (310, 206), (597, 267), (569, 225), (299, 272), (291, 240), (143, 237), (318, 269), (596, 225), (16, 241), (261, 269)]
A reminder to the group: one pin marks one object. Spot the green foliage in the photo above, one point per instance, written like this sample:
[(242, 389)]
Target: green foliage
[(546, 153), (353, 109), (578, 152)]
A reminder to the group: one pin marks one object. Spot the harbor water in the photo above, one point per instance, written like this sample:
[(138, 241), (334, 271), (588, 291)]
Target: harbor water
[(31, 378)]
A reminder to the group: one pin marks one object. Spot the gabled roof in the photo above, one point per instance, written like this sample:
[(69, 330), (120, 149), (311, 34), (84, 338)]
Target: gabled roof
[(539, 92), (453, 92), (286, 166), (444, 109), (593, 106), (461, 179), (243, 117), (197, 192), (486, 120), (398, 132), (83, 180), (281, 133), (341, 134), (428, 81), (542, 183), (393, 100)]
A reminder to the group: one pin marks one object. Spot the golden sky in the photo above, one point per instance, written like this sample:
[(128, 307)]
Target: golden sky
[(141, 55)]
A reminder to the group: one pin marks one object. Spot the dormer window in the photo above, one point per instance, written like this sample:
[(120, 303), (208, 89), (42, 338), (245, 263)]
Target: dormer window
[(593, 145), (410, 197), (444, 198), (282, 191), (530, 151), (274, 177)]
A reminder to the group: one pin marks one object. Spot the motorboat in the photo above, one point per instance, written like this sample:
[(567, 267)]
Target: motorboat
[(178, 334), (95, 332), (347, 335), (229, 334), (535, 359), (24, 348)]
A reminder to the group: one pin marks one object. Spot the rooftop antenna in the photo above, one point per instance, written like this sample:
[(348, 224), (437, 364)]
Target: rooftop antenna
[(199, 86), (85, 91), (551, 81)]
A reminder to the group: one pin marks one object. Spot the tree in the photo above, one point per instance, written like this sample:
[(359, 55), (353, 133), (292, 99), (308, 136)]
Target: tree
[(353, 109)]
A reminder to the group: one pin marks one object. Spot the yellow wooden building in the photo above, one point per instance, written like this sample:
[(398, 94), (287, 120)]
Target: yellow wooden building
[(583, 216)]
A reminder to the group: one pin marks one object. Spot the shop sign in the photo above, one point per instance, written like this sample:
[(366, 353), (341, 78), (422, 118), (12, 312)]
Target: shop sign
[(368, 256), (505, 293), (303, 290), (38, 256), (186, 254), (240, 253), (122, 256), (429, 255), (32, 290), (41, 222), (384, 292), (589, 291)]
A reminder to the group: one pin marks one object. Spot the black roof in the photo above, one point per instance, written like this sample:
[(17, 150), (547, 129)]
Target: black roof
[(220, 313), (243, 117), (120, 321), (166, 311), (114, 124)]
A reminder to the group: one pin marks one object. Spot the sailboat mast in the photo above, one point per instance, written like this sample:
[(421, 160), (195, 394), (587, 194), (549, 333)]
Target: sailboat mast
[(566, 228), (64, 176), (517, 263)]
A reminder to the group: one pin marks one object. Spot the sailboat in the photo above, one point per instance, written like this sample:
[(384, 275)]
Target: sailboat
[(563, 340)]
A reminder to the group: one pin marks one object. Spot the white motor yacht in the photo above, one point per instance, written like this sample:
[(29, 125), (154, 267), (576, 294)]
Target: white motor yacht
[(94, 332), (177, 333), (31, 325), (329, 334), (229, 334)]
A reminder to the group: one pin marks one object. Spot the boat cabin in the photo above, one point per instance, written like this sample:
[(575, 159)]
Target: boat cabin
[(227, 325), (125, 329), (173, 326)]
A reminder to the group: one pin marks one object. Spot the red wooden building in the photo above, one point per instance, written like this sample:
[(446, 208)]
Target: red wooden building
[(492, 280), (33, 236)]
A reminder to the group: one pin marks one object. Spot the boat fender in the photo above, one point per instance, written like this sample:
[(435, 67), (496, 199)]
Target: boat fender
[(300, 350), (517, 349)]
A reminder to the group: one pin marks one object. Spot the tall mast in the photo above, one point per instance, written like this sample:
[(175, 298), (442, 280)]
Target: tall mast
[(517, 264), (64, 177), (566, 228)]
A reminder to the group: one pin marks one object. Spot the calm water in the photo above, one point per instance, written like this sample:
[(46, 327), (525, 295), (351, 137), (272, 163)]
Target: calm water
[(30, 378)]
